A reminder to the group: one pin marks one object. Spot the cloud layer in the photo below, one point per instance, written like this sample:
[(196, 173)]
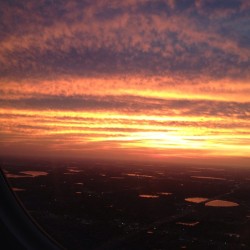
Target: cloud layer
[(125, 78), (146, 37)]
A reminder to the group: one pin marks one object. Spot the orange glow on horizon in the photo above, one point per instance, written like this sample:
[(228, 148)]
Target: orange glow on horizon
[(169, 133)]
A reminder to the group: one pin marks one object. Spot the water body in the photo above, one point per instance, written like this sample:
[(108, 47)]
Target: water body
[(160, 173), (26, 174), (74, 170), (139, 175), (221, 203), (150, 232), (196, 199), (233, 235), (34, 173), (16, 176), (212, 169), (148, 196), (208, 177), (190, 224), (164, 193)]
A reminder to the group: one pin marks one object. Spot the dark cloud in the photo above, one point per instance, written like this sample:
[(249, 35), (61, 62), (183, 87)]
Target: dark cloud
[(133, 104), (44, 38)]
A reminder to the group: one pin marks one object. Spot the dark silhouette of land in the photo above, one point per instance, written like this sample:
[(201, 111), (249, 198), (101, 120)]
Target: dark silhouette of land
[(132, 205)]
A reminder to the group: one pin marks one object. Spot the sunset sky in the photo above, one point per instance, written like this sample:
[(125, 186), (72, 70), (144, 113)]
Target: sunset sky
[(134, 79)]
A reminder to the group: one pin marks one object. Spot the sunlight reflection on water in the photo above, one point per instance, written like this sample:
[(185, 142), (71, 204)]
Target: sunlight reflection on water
[(196, 199), (208, 177), (148, 196), (221, 203)]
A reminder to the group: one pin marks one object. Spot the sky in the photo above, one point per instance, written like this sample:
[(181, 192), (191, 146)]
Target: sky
[(135, 79)]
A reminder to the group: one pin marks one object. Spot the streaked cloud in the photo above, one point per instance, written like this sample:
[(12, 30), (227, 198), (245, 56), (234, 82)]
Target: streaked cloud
[(132, 105)]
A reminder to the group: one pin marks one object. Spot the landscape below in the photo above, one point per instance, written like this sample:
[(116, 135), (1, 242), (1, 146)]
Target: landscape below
[(96, 204)]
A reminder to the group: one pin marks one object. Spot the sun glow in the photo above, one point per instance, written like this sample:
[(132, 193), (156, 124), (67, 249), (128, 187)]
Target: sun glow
[(96, 131)]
